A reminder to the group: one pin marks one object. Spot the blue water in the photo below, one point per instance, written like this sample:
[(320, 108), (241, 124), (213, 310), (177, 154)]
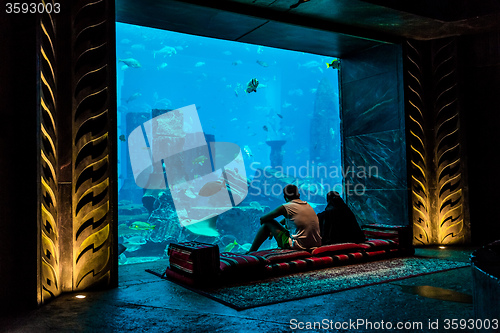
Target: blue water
[(213, 74)]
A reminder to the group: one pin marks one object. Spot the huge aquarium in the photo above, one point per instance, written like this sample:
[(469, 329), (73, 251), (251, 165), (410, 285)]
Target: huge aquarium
[(210, 132)]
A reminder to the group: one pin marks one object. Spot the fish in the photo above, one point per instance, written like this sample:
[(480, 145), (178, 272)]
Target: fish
[(313, 90), (130, 62), (332, 133), (265, 128), (252, 85), (335, 64), (165, 51), (436, 293), (262, 63), (279, 115), (122, 138), (285, 105), (124, 67), (229, 247), (133, 97), (138, 225), (256, 205), (138, 47), (199, 64), (211, 188), (200, 160), (163, 66), (237, 62), (123, 229), (134, 243), (205, 227), (247, 151)]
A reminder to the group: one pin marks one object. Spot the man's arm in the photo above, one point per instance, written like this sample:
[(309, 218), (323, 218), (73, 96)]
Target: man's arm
[(273, 214)]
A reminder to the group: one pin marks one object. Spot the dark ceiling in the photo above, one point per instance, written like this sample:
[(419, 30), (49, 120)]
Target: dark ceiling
[(330, 27)]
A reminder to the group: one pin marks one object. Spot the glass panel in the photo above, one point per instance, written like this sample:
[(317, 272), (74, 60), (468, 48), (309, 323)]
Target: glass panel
[(210, 131)]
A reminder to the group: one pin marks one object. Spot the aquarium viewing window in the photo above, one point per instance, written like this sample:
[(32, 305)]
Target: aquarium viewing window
[(272, 113)]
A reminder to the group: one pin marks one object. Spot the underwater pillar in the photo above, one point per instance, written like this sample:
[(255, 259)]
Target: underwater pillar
[(276, 155)]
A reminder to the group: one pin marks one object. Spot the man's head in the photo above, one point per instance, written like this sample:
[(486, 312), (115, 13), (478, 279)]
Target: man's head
[(291, 192)]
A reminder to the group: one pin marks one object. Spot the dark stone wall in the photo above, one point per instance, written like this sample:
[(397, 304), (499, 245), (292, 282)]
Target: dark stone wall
[(19, 165), (374, 135), (480, 57)]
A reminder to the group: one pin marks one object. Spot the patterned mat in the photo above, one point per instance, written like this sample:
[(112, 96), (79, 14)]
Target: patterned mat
[(320, 282)]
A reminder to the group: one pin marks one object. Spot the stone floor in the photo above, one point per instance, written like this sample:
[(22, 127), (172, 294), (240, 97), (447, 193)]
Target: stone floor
[(145, 303)]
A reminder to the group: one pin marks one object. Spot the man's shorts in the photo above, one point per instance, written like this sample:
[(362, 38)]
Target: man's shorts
[(283, 239)]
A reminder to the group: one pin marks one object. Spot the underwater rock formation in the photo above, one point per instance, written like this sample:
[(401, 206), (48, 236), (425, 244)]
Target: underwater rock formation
[(164, 218)]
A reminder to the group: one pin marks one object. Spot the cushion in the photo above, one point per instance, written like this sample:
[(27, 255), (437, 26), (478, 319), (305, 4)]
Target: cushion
[(336, 249), (290, 266), (378, 244), (231, 262), (318, 262), (281, 255), (382, 253), (173, 275)]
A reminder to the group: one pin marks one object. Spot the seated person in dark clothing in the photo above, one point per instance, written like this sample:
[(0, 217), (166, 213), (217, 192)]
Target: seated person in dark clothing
[(338, 223)]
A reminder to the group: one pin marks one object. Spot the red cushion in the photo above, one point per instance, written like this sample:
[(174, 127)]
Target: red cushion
[(281, 255), (233, 261), (378, 244), (336, 249), (173, 275), (320, 261), (290, 266)]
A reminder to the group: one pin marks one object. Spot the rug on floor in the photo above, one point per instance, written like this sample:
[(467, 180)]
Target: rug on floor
[(273, 290)]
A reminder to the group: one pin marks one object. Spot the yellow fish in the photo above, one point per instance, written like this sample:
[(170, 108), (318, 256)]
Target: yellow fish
[(335, 64), (138, 225), (229, 247)]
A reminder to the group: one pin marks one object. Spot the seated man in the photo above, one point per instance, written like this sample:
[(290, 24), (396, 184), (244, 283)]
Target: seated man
[(338, 223), (302, 227)]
